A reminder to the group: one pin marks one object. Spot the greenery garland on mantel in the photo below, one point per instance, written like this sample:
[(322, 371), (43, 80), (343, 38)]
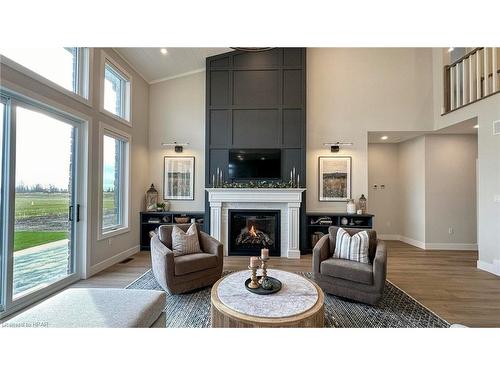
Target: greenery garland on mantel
[(257, 185)]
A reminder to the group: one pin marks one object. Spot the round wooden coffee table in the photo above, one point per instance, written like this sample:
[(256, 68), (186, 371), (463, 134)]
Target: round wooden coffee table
[(299, 303)]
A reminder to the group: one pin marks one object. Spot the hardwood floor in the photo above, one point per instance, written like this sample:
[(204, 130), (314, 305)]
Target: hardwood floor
[(446, 282)]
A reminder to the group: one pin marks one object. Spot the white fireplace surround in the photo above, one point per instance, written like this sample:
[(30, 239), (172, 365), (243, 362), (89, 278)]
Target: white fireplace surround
[(286, 200)]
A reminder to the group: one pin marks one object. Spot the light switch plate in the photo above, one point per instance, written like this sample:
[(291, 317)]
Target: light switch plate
[(496, 198), (496, 127)]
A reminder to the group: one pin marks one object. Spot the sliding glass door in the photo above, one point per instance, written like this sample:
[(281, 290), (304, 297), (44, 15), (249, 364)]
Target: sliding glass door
[(42, 211), (2, 205), (43, 250)]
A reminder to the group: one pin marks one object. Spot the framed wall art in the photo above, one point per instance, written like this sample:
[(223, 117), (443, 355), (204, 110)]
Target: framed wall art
[(178, 178), (334, 178)]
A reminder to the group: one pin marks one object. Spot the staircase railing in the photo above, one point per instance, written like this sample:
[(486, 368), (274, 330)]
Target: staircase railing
[(473, 77)]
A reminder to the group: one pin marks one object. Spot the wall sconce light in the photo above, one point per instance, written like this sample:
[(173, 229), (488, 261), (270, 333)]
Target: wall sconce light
[(178, 147), (335, 147)]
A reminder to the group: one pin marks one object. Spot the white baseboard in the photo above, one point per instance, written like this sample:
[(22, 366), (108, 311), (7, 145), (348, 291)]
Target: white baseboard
[(412, 242), (429, 245), (493, 268), (451, 246), (112, 260), (389, 237)]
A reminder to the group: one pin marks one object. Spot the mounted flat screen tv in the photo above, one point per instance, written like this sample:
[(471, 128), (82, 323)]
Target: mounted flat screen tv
[(252, 164)]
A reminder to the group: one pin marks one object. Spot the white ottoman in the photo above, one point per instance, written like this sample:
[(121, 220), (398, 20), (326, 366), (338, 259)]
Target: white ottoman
[(96, 308)]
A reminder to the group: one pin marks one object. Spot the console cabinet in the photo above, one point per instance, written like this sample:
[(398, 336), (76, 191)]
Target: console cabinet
[(318, 223), (152, 220)]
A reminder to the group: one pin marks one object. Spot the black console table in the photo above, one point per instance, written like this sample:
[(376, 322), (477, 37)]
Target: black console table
[(152, 220), (318, 224)]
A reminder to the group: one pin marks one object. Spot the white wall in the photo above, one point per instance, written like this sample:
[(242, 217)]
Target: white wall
[(383, 168), (353, 90), (450, 189), (103, 253), (487, 111), (412, 183), (430, 187), (177, 113)]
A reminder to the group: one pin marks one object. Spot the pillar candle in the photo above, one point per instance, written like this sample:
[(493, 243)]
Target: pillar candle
[(254, 262), (298, 180), (264, 253)]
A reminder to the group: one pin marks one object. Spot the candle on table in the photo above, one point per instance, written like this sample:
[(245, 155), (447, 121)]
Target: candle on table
[(264, 253), (298, 180), (254, 262)]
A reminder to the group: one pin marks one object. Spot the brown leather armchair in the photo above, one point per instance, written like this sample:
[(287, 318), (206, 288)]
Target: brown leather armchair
[(345, 278), (187, 272)]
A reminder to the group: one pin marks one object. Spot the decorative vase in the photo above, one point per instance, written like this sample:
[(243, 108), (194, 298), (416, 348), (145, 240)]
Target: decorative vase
[(151, 199), (362, 203), (344, 221), (351, 207)]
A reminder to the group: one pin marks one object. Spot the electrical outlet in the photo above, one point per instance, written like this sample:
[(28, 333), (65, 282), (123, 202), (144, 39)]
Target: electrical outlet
[(496, 198), (389, 224), (110, 241), (450, 230)]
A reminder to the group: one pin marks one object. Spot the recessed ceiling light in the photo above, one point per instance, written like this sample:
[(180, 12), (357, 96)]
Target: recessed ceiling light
[(163, 51), (384, 137), (451, 49), (476, 126)]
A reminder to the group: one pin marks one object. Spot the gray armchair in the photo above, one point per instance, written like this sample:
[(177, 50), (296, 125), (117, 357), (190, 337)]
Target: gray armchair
[(345, 278), (187, 272)]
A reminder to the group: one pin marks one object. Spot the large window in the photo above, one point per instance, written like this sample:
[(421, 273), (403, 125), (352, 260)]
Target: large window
[(114, 182), (66, 67), (2, 255), (42, 181), (116, 91)]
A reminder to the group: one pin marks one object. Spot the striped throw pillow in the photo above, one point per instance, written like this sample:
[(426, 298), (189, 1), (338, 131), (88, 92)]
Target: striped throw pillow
[(352, 247), (184, 243)]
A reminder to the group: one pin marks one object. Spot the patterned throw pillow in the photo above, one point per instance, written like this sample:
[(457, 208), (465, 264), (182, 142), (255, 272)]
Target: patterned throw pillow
[(352, 247), (184, 243)]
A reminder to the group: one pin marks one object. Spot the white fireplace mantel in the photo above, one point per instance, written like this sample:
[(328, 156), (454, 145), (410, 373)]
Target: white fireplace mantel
[(287, 200)]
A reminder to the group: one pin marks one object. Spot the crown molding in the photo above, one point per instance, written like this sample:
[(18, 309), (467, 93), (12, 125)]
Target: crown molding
[(168, 78)]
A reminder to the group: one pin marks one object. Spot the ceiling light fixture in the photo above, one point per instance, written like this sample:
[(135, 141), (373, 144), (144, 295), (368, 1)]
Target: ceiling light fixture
[(163, 51), (384, 137), (178, 147), (335, 146)]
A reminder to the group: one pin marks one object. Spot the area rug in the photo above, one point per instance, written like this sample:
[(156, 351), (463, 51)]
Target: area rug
[(396, 309)]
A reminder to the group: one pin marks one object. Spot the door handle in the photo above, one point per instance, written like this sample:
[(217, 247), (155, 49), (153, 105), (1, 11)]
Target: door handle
[(70, 214)]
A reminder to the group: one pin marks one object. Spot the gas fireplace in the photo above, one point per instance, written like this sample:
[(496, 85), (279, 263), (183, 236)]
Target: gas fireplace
[(251, 230)]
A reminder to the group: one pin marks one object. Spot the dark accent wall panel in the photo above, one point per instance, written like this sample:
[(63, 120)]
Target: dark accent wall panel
[(220, 131), (292, 128), (256, 128), (219, 88), (256, 87), (257, 100)]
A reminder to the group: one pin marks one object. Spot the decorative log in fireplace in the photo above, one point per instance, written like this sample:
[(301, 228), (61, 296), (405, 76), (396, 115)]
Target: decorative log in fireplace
[(251, 230)]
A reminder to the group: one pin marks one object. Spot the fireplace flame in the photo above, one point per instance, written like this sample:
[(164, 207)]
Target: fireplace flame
[(252, 232)]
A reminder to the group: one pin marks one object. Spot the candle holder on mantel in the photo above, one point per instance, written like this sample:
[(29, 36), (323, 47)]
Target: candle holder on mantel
[(254, 283)]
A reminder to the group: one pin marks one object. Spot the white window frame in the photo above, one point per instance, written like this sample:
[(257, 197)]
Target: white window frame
[(81, 255), (111, 131), (106, 59), (85, 75)]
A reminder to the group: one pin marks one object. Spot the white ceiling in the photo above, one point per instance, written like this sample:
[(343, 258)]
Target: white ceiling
[(463, 127), (154, 66)]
